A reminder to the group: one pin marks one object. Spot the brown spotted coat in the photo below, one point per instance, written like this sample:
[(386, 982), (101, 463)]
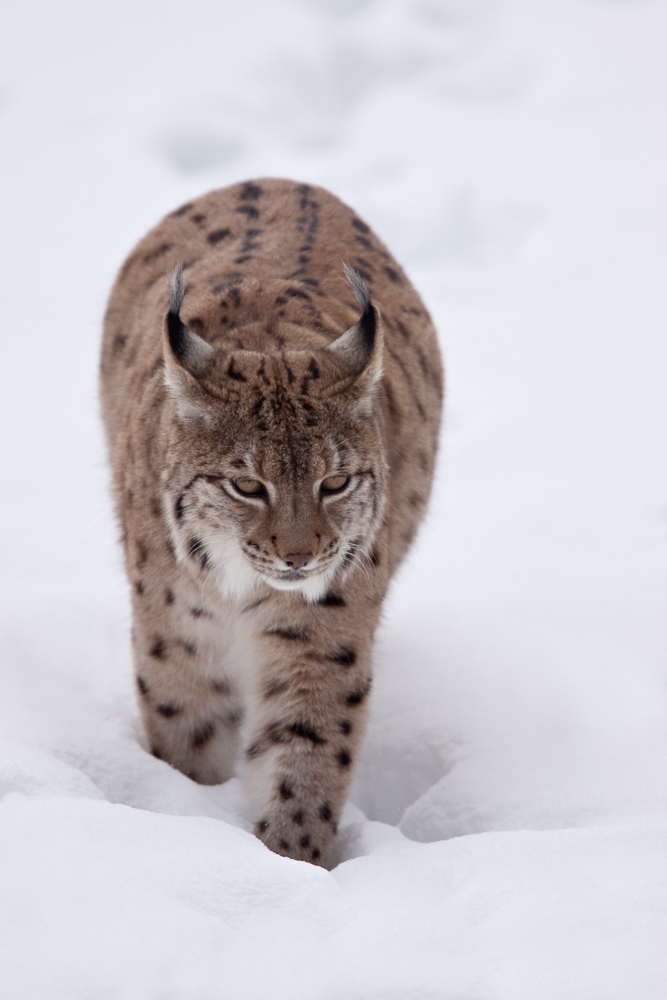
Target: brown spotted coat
[(233, 674)]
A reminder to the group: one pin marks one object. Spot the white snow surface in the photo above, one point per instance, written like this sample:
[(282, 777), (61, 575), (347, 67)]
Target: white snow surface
[(506, 837)]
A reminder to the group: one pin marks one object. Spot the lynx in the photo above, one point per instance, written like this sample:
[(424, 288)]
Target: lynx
[(271, 390)]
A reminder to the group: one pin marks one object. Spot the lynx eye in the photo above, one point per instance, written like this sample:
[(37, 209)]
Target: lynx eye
[(249, 487), (334, 484)]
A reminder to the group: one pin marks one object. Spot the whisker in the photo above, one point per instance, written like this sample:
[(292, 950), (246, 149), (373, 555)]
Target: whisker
[(358, 555)]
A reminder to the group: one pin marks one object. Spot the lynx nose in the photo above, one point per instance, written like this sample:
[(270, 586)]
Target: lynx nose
[(297, 560)]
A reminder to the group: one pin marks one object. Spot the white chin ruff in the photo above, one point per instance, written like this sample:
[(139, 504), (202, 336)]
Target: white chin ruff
[(312, 588), (236, 578)]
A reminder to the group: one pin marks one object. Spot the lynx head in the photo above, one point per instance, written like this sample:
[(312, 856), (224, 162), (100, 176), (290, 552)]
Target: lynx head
[(276, 469)]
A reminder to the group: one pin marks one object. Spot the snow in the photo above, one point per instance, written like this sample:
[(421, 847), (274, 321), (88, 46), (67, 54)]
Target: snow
[(506, 837)]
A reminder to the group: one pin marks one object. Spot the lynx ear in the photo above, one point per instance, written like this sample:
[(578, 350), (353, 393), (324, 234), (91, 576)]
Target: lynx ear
[(360, 347), (185, 353), (186, 349)]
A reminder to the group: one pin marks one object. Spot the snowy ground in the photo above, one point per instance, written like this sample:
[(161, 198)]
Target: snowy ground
[(507, 835)]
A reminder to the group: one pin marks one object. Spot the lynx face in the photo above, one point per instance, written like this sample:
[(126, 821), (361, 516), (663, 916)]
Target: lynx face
[(277, 472)]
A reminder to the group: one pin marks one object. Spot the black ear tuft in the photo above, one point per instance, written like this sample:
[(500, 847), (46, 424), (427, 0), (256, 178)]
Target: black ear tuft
[(359, 349), (367, 321), (361, 293), (175, 327), (189, 350), (176, 289)]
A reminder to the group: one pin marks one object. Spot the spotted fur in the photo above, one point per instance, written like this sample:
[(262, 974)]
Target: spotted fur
[(263, 335)]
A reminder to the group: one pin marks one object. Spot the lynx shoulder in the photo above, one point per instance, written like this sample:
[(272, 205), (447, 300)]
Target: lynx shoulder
[(272, 419)]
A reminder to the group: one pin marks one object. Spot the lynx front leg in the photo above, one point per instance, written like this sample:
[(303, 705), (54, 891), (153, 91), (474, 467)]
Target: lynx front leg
[(193, 728), (304, 734), (190, 703)]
